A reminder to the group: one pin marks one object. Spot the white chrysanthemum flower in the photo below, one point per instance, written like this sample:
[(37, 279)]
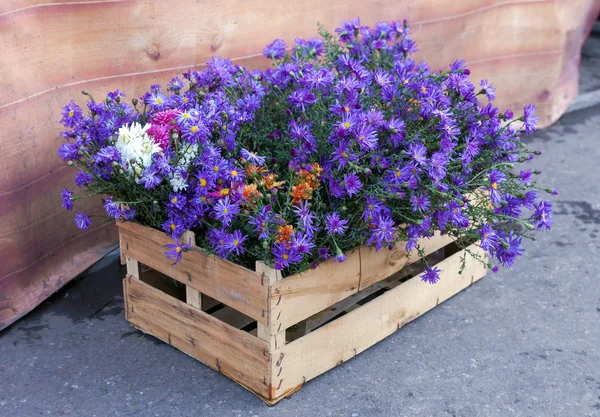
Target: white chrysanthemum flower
[(134, 143), (188, 155), (179, 179)]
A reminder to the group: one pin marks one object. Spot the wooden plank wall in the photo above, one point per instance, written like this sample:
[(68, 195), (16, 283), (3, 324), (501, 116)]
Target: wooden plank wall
[(50, 50)]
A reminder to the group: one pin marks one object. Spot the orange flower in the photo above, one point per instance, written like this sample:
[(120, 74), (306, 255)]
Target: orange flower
[(285, 233), (302, 191), (250, 192)]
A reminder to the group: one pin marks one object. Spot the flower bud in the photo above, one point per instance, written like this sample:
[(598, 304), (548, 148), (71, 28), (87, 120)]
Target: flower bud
[(134, 101), (70, 163)]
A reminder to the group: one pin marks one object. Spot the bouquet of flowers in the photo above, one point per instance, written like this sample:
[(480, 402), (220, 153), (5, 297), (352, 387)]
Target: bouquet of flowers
[(346, 141)]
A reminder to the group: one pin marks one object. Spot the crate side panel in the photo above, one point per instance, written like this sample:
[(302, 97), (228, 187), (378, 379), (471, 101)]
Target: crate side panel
[(377, 265), (222, 280), (342, 339), (235, 353), (300, 296)]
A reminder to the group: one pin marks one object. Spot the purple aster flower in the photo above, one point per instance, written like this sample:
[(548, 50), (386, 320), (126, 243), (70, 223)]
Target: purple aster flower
[(176, 250), (529, 199), (174, 226), (82, 220), (150, 178), (68, 151), (324, 253), (525, 176), (529, 120), (437, 166), (112, 209), (225, 211), (129, 214), (275, 50), (431, 275), (509, 249), (235, 242), (302, 98), (543, 215), (261, 222), (177, 201), (217, 238), (71, 115), (489, 238), (82, 179), (418, 151), (107, 155), (335, 224), (352, 184), (420, 202), (157, 100), (252, 157), (366, 136), (495, 177), (285, 256), (488, 90), (383, 233), (67, 199), (340, 256), (302, 242), (348, 29)]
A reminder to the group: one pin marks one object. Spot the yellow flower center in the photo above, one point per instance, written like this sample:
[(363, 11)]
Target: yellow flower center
[(398, 173), (71, 113), (202, 182), (285, 256), (178, 249), (224, 127), (423, 89), (224, 192), (159, 101), (185, 115), (173, 227), (185, 99), (371, 206), (194, 129), (225, 210), (495, 185), (236, 242), (216, 169), (346, 109), (234, 173), (203, 199), (347, 125), (174, 200)]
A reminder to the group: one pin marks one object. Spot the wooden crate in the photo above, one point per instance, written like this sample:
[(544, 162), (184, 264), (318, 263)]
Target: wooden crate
[(269, 334)]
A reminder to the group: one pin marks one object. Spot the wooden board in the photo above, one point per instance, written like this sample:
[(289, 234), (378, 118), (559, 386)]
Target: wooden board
[(344, 338), (300, 296), (235, 353), (222, 280)]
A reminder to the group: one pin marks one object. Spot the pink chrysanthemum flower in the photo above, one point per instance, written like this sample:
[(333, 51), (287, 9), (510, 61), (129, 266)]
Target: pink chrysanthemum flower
[(161, 126)]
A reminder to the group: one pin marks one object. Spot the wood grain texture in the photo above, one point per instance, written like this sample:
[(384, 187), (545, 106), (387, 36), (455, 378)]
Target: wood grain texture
[(53, 49), (233, 352), (347, 336), (222, 280), (300, 296)]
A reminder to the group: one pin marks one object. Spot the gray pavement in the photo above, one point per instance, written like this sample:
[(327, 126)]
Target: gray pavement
[(522, 342)]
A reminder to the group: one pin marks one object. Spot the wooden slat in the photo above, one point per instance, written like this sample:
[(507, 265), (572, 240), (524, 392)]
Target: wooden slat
[(271, 333), (342, 339), (235, 353), (300, 296), (222, 280), (378, 265)]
